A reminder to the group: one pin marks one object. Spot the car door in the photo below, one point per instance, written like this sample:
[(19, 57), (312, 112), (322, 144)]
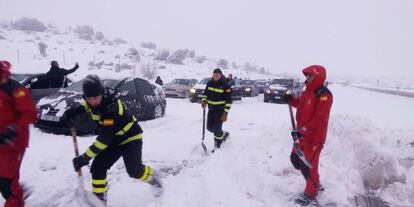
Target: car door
[(40, 87), (128, 94), (146, 97)]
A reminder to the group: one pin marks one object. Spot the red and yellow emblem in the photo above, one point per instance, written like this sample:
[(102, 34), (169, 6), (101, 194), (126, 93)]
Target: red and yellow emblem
[(19, 93), (108, 122), (323, 98)]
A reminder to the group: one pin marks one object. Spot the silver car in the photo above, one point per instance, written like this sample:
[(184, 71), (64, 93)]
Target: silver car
[(179, 88)]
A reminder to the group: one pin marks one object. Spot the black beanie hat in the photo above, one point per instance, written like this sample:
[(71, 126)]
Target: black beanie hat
[(217, 70), (92, 86)]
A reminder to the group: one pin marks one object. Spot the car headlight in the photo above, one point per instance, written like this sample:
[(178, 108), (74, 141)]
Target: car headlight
[(268, 91), (288, 92), (248, 89), (193, 90)]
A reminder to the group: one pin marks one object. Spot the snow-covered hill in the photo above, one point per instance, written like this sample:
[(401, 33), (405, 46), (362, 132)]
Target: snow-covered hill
[(105, 57)]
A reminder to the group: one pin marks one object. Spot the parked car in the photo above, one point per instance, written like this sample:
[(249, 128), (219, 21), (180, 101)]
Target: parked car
[(21, 77), (144, 99), (263, 85), (41, 85), (249, 88), (276, 89), (198, 90), (179, 88)]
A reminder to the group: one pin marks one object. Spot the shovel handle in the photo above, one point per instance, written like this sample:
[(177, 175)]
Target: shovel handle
[(75, 146)]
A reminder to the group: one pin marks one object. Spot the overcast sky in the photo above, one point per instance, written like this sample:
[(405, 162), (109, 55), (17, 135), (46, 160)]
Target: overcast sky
[(352, 37)]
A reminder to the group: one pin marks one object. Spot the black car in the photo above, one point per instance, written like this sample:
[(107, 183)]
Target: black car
[(249, 88), (21, 77), (276, 89), (198, 90), (41, 85), (145, 100)]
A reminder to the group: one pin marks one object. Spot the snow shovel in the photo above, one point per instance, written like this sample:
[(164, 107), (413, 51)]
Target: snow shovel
[(296, 141), (204, 131), (83, 197)]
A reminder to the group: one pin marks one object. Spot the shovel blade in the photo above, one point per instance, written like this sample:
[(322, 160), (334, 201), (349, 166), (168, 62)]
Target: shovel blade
[(85, 198), (204, 147)]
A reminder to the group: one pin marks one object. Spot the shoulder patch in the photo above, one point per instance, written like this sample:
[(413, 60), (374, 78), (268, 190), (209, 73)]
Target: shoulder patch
[(323, 98), (19, 93), (228, 90), (108, 122)]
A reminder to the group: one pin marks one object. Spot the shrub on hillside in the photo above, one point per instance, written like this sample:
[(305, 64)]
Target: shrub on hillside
[(29, 24)]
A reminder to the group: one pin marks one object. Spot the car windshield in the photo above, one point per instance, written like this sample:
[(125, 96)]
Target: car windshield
[(262, 83), (77, 87), (247, 82), (18, 77), (205, 81), (283, 82), (181, 82)]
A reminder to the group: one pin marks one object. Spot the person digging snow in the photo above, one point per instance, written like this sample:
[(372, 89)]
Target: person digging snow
[(17, 111), (119, 135), (312, 116), (217, 95)]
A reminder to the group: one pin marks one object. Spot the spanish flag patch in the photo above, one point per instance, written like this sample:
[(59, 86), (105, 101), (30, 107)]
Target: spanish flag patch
[(228, 90), (108, 122), (323, 98), (19, 93)]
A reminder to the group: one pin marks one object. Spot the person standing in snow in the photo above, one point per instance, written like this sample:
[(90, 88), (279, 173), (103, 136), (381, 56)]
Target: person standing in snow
[(59, 73), (312, 116), (17, 113), (217, 95), (159, 81), (119, 135)]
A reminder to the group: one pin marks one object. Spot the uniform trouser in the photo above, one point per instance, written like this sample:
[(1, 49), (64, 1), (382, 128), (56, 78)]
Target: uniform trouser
[(214, 123), (312, 152), (131, 154), (10, 161)]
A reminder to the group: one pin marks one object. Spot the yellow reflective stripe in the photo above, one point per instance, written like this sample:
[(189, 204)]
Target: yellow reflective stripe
[(100, 145), (100, 190), (218, 90), (220, 138), (216, 102), (136, 137), (226, 110), (100, 182), (147, 174), (95, 117), (88, 109), (228, 105), (125, 129), (85, 105), (120, 108), (90, 154)]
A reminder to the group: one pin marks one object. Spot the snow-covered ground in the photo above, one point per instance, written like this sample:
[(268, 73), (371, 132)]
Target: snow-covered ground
[(367, 144)]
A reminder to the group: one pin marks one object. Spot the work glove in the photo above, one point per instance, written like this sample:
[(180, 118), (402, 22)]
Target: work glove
[(224, 117), (203, 104), (80, 161), (296, 135), (9, 134)]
